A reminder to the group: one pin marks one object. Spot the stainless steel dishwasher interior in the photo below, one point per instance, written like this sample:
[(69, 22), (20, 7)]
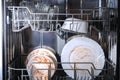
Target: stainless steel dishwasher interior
[(21, 43)]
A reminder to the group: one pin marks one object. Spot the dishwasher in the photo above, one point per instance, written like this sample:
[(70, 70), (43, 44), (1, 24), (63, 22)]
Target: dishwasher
[(59, 40)]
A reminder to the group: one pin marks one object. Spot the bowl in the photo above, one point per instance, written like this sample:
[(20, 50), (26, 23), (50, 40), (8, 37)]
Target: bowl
[(76, 25)]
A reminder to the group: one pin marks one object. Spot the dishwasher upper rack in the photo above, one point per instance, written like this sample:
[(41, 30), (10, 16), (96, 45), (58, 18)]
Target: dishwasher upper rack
[(106, 74), (21, 21)]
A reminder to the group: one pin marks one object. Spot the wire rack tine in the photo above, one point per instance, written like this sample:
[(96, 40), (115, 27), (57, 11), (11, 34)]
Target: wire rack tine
[(81, 77), (25, 77), (85, 77), (60, 78), (56, 77), (18, 78), (77, 77)]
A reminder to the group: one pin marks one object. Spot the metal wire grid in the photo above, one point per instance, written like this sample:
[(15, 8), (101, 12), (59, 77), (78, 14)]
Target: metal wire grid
[(49, 21), (106, 74)]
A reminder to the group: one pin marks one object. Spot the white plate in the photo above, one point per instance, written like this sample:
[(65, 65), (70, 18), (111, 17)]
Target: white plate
[(41, 62), (44, 54), (41, 51), (94, 52)]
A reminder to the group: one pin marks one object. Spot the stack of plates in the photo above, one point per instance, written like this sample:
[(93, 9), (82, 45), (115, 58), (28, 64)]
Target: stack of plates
[(83, 51), (40, 61)]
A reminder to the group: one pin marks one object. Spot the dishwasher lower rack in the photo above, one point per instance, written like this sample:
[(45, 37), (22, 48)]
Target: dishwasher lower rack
[(107, 73)]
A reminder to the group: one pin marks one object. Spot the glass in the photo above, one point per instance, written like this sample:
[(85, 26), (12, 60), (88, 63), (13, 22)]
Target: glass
[(39, 16)]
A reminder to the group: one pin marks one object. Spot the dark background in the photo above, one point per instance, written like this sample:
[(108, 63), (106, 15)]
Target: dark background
[(118, 45)]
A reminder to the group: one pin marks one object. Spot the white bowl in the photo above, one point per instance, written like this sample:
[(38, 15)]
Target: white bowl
[(74, 24)]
